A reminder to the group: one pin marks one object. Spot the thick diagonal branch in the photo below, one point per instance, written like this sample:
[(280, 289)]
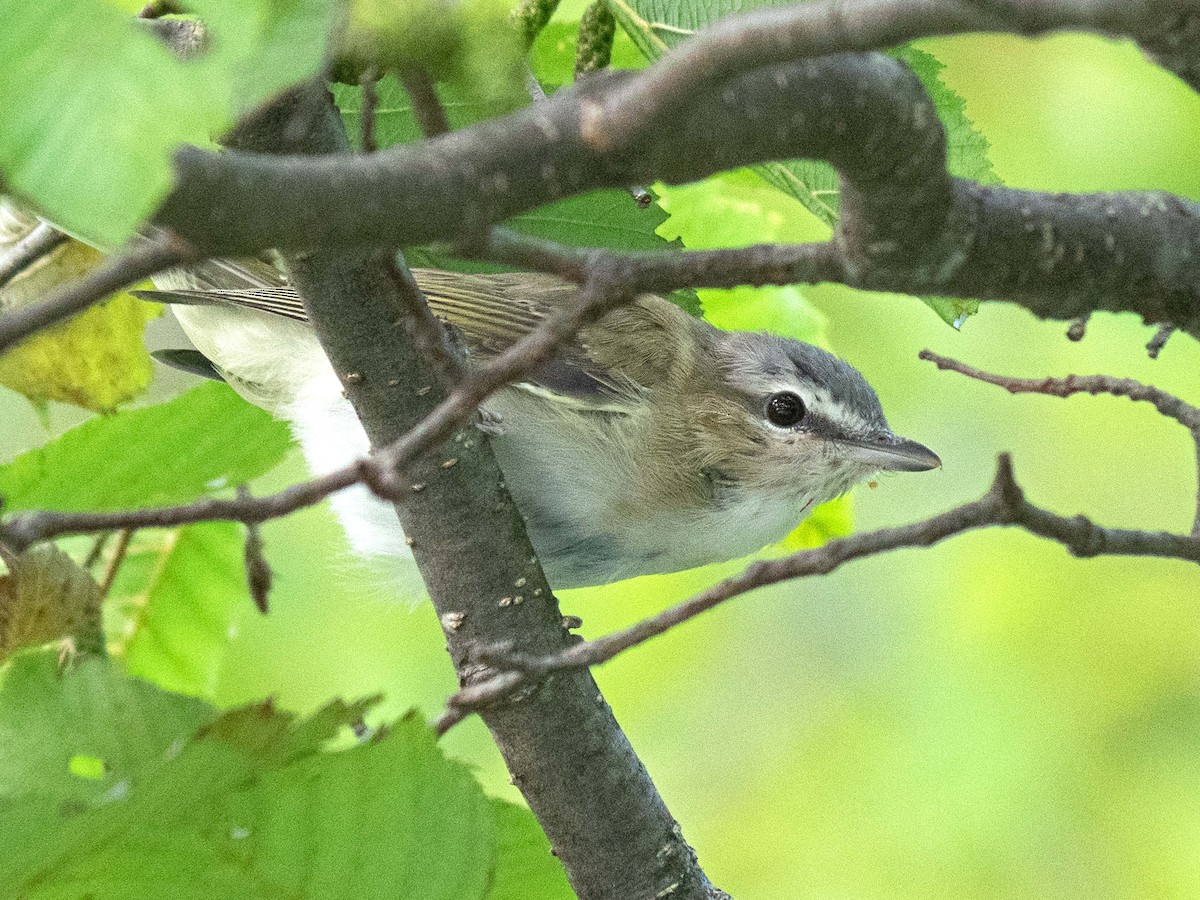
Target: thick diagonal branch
[(566, 753)]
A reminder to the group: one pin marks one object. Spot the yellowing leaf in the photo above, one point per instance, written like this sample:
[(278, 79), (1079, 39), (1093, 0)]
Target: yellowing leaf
[(97, 359), (46, 597)]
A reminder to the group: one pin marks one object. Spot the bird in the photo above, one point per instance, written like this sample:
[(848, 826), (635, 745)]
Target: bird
[(652, 442)]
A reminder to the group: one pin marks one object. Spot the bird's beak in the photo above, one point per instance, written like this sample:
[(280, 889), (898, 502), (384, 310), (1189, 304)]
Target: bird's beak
[(894, 454)]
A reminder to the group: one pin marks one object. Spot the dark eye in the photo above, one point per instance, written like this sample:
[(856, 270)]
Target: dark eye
[(785, 409)]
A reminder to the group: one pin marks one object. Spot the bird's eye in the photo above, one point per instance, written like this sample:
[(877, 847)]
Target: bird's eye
[(785, 409)]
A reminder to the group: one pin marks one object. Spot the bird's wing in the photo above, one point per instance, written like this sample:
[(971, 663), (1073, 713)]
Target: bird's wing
[(492, 312)]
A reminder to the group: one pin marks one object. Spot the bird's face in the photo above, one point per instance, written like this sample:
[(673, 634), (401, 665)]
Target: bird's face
[(796, 420)]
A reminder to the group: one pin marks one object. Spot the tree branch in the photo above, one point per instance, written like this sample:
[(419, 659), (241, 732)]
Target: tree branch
[(582, 779), (1169, 405), (1004, 504), (115, 272), (906, 225), (780, 34)]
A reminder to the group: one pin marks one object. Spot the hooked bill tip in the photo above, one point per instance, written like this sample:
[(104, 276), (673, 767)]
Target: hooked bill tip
[(897, 454)]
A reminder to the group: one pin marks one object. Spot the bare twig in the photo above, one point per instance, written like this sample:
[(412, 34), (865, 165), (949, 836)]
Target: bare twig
[(258, 570), (97, 549), (666, 271), (427, 106), (110, 276), (370, 101), (1156, 344), (1004, 504), (114, 561), (1169, 405), (25, 252)]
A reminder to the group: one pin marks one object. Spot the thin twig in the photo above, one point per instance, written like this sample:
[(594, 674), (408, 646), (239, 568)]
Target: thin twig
[(1156, 344), (25, 252), (97, 550), (427, 106), (114, 561), (1169, 405), (663, 271), (379, 473), (116, 272), (1004, 504), (370, 102)]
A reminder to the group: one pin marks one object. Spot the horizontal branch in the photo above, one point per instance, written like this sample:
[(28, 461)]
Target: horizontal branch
[(780, 34), (906, 225), (1003, 505)]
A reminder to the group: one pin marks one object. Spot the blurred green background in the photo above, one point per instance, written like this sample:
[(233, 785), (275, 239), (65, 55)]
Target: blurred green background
[(987, 719)]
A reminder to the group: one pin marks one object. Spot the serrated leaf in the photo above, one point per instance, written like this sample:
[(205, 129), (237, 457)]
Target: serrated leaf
[(608, 218), (658, 25), (97, 359), (200, 442), (95, 105), (179, 595), (46, 597), (246, 804)]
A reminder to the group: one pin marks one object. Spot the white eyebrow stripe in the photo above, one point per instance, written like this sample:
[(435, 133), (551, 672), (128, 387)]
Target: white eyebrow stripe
[(829, 408)]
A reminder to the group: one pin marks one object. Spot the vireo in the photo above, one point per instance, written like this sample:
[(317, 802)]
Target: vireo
[(653, 442)]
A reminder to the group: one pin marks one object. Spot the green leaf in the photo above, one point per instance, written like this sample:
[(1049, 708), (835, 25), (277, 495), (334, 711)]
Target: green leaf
[(113, 788), (180, 593), (198, 443), (658, 25), (609, 218), (525, 867), (95, 105), (91, 709), (473, 46)]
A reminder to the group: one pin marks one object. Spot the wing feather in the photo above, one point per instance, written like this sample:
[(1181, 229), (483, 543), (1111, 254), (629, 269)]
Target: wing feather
[(493, 312)]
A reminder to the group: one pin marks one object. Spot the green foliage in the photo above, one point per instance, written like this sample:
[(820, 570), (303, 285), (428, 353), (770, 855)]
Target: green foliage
[(178, 595), (609, 218), (471, 44), (95, 105), (657, 25), (111, 787), (198, 443)]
